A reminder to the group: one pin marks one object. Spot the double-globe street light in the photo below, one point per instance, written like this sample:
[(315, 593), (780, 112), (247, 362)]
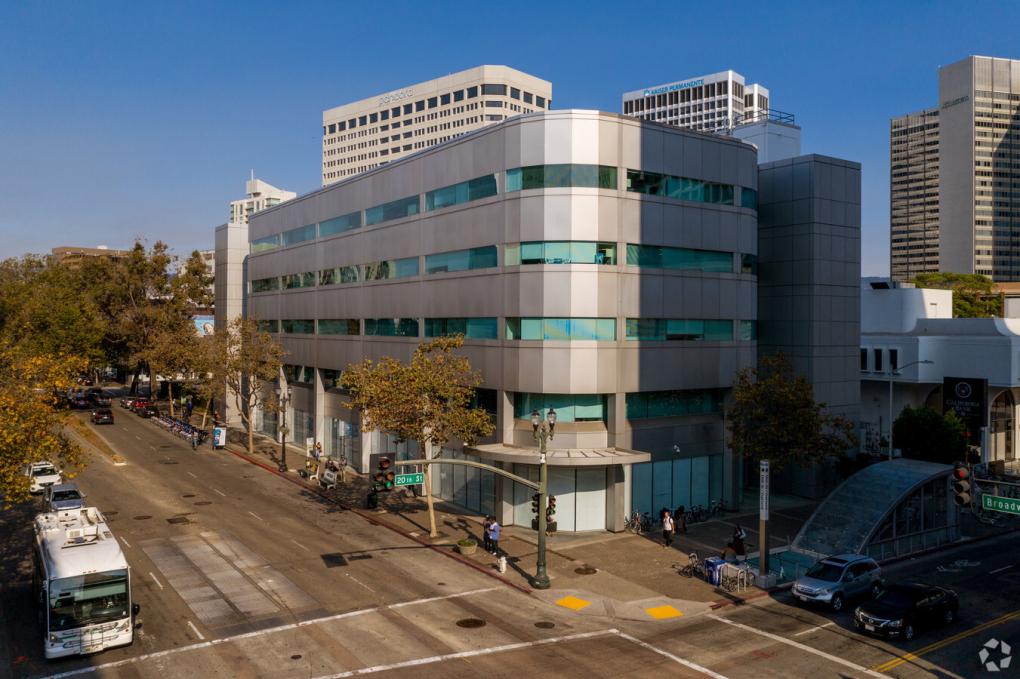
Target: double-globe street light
[(543, 431), (283, 396), (892, 372)]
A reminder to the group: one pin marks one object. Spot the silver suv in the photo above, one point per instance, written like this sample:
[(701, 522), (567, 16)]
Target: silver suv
[(835, 579)]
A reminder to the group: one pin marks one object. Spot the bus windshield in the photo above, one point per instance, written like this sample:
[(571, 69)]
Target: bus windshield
[(88, 599)]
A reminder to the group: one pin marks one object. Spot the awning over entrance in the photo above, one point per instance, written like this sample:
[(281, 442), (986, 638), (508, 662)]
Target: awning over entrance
[(559, 457)]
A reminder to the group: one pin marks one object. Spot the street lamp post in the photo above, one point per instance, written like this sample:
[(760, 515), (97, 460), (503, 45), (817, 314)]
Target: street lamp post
[(283, 395), (543, 430), (898, 371)]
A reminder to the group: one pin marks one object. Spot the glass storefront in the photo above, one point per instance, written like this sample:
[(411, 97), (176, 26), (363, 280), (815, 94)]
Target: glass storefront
[(667, 484)]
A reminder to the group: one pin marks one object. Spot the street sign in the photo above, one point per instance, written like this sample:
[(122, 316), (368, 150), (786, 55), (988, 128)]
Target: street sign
[(763, 485), (1007, 505), (409, 479)]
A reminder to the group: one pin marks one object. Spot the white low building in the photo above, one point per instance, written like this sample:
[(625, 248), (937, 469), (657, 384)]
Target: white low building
[(911, 343)]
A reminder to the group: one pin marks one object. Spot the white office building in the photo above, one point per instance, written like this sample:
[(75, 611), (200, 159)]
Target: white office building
[(260, 196), (382, 128), (712, 103)]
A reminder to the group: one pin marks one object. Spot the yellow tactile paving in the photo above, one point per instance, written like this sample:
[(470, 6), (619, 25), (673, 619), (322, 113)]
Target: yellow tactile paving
[(663, 612), (573, 603)]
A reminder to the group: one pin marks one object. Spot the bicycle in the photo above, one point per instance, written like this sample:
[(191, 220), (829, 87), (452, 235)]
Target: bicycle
[(694, 567), (633, 523)]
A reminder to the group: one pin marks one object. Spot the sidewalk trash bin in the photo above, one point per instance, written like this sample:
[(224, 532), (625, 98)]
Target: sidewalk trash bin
[(713, 567)]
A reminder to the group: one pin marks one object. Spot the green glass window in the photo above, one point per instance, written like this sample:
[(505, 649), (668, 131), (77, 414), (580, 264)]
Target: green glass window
[(299, 235), (560, 252), (681, 188), (340, 275), (465, 192), (397, 209), (601, 329), (339, 326), (269, 326), (749, 198), (673, 403), (681, 259), (298, 326), (471, 328), (331, 227), (461, 260), (390, 268), (267, 243), (569, 407), (265, 284), (486, 399), (748, 331), (299, 373), (689, 330), (749, 264), (331, 378), (561, 176), (392, 327), (299, 280)]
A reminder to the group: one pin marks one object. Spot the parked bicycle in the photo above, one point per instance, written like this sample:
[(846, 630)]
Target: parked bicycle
[(694, 567), (735, 578), (181, 428), (638, 523)]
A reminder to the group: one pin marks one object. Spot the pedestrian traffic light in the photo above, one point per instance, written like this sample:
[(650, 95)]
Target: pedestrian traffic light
[(384, 475), (961, 484), (534, 504), (550, 510)]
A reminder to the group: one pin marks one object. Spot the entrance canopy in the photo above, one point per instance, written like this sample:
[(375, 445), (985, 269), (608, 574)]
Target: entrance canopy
[(559, 457)]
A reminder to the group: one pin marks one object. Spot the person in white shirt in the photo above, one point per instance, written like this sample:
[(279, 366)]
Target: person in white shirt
[(668, 528)]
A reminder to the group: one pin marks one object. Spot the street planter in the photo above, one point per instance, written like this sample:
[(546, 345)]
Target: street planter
[(467, 546)]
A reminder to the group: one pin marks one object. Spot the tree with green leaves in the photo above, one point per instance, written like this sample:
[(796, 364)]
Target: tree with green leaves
[(974, 295), (428, 400), (924, 434), (774, 417), (248, 361)]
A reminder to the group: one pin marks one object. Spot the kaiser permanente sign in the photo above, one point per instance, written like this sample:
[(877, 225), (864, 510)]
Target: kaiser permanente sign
[(687, 84)]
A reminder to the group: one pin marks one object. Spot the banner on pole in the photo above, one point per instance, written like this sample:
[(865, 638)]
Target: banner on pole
[(763, 486)]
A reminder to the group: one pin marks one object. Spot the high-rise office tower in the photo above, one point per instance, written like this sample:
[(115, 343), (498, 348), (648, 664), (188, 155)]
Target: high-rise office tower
[(366, 134), (977, 173), (713, 103)]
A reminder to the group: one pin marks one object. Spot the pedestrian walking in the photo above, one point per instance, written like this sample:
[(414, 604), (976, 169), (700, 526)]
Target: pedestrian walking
[(738, 543), (668, 527), (486, 542), (494, 531)]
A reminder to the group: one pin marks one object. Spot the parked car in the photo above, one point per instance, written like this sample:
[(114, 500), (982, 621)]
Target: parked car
[(99, 399), (63, 496), (835, 579), (148, 411), (899, 610), (126, 401), (42, 475), (78, 402), (140, 403), (102, 416)]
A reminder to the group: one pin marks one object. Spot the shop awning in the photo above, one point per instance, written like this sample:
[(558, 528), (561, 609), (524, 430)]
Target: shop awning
[(559, 457)]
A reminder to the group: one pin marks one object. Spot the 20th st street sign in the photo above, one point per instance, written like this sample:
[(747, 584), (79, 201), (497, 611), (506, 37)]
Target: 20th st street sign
[(409, 479), (995, 503)]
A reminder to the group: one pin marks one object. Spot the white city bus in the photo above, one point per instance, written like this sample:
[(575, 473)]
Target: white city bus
[(82, 583)]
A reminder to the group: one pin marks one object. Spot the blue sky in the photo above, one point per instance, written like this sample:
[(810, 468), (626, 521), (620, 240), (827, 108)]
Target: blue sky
[(138, 119)]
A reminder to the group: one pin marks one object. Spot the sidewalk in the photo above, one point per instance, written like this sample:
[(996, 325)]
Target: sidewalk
[(618, 575)]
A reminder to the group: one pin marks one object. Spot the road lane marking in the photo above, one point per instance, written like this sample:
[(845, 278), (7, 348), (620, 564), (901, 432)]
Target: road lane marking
[(269, 630), (138, 437), (300, 545), (125, 542), (257, 516), (814, 629), (220, 492), (195, 630), (797, 644), (999, 570), (910, 657), (192, 475), (682, 661), (361, 583), (157, 580), (417, 662)]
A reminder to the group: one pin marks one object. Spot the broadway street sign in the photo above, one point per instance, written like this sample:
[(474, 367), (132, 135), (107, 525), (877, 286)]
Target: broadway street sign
[(1008, 505), (409, 479)]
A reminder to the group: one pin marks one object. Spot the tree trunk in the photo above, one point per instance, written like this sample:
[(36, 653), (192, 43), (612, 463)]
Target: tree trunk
[(428, 490), (205, 413), (133, 391), (251, 436), (170, 393)]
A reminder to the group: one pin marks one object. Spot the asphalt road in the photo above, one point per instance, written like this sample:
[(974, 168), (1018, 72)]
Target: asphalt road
[(242, 574)]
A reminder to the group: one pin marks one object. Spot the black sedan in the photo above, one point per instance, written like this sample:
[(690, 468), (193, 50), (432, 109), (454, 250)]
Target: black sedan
[(900, 610), (102, 416)]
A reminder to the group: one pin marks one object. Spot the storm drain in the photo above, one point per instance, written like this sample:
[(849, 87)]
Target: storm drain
[(202, 503), (142, 517), (188, 495), (296, 656), (178, 519), (168, 461), (586, 570), (542, 624), (333, 560), (471, 623)]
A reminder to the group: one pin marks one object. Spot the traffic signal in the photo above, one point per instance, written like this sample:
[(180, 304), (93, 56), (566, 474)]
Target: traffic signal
[(550, 510), (961, 484), (384, 475), (534, 504)]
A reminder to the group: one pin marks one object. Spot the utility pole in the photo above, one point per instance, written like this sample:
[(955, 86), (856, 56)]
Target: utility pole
[(543, 430), (763, 518)]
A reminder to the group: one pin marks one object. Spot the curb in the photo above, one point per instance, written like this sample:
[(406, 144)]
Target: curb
[(375, 520), (723, 603)]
